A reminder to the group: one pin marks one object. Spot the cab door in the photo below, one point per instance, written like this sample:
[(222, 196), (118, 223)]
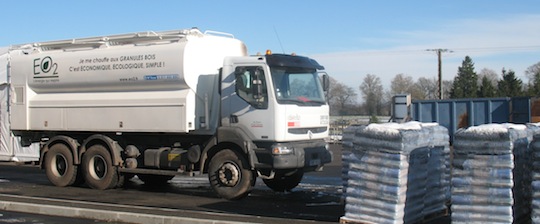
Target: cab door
[(246, 97)]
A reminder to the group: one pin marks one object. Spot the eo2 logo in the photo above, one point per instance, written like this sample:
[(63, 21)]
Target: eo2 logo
[(46, 66)]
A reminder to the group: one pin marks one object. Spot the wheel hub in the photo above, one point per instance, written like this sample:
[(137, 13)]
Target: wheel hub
[(229, 174), (98, 168), (60, 164)]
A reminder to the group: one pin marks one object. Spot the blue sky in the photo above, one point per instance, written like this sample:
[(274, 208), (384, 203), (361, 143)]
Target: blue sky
[(350, 38)]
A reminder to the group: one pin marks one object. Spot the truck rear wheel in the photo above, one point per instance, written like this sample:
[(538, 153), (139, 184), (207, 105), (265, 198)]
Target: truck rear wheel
[(99, 172), (59, 166), (283, 182), (230, 176)]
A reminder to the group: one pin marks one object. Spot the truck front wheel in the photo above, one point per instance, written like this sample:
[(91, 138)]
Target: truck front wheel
[(99, 172), (230, 176), (59, 166), (283, 182)]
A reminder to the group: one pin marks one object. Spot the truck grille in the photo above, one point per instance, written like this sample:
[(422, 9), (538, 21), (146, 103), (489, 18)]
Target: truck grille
[(301, 131)]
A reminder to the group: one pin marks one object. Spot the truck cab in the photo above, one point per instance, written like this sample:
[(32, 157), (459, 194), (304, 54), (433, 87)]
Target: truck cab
[(278, 102)]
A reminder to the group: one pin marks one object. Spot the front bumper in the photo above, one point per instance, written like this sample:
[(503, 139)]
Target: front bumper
[(308, 155)]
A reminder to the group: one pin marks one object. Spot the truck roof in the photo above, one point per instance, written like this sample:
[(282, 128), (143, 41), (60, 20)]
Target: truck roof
[(286, 60)]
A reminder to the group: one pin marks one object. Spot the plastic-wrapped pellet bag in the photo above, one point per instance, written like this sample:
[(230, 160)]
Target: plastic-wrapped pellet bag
[(535, 176), (491, 174), (347, 156), (400, 173)]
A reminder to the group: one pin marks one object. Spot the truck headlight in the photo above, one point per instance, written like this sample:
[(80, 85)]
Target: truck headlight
[(282, 150)]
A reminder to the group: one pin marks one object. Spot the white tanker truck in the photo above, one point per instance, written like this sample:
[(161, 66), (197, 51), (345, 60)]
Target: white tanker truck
[(160, 104)]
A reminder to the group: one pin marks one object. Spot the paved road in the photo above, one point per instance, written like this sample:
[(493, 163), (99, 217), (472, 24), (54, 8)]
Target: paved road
[(317, 199), (28, 218)]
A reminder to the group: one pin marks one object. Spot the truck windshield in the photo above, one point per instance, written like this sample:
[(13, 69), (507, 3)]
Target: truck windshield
[(300, 86)]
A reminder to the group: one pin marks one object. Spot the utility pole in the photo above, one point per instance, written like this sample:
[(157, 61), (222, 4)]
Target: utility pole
[(439, 82)]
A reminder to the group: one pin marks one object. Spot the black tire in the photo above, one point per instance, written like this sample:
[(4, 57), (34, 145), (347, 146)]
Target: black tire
[(98, 169), (59, 166), (282, 182), (154, 180), (230, 176)]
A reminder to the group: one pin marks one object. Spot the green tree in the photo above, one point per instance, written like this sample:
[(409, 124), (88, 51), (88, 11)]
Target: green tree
[(466, 82), (373, 119), (510, 85), (486, 88)]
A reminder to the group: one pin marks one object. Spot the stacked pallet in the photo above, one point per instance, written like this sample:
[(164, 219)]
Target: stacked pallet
[(535, 147), (397, 173), (346, 155), (491, 174)]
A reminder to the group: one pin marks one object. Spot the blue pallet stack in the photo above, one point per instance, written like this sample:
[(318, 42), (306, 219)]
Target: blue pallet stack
[(491, 174), (398, 174)]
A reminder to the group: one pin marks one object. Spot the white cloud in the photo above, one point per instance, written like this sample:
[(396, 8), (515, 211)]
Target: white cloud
[(512, 42)]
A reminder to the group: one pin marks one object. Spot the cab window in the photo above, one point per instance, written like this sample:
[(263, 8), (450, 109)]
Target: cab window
[(251, 86)]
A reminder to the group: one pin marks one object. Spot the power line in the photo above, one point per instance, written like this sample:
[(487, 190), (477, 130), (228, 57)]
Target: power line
[(462, 49), (507, 48)]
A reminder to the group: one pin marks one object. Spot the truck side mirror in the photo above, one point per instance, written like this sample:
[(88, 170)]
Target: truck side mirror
[(325, 82), (257, 84)]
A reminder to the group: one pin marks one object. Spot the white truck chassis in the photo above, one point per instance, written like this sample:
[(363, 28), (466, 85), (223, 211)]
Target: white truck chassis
[(159, 104)]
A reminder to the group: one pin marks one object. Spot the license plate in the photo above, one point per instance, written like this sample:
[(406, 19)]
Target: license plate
[(315, 162)]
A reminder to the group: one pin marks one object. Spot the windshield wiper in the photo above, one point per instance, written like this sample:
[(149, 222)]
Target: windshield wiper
[(301, 102), (294, 101)]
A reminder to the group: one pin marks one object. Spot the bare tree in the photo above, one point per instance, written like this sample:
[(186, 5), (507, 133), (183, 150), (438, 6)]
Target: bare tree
[(401, 84), (447, 86), (340, 97), (532, 71), (372, 92), (427, 88), (490, 74), (487, 83)]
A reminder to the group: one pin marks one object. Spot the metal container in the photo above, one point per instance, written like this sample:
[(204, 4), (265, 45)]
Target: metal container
[(459, 113)]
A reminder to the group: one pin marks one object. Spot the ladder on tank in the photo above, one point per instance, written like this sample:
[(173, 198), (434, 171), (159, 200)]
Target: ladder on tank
[(139, 38)]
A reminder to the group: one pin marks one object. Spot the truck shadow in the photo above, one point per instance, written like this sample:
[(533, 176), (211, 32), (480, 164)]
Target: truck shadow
[(299, 205), (304, 203)]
